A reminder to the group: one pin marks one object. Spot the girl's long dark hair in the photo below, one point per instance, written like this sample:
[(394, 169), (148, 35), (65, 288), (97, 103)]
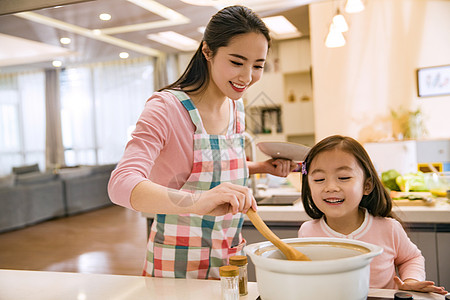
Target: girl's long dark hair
[(223, 26), (378, 202)]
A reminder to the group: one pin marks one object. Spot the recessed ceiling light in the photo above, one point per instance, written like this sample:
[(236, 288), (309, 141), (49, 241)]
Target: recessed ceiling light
[(281, 28), (57, 63), (201, 29), (105, 17), (65, 40), (174, 40), (124, 55)]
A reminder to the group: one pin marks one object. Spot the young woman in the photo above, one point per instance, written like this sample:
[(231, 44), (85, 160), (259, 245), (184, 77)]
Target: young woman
[(341, 191), (186, 160)]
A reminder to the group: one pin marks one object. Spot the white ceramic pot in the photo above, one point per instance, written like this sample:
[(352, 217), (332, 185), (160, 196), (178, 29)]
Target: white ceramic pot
[(338, 270)]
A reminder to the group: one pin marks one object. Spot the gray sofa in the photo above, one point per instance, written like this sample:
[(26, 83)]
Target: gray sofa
[(28, 196)]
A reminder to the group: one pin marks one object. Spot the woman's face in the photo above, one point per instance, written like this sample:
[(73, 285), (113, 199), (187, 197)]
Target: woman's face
[(238, 65), (337, 184)]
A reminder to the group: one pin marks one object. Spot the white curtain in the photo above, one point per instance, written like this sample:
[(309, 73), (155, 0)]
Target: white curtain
[(54, 150), (100, 105), (22, 120)]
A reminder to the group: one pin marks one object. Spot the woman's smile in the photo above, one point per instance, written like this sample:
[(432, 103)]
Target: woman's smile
[(237, 87)]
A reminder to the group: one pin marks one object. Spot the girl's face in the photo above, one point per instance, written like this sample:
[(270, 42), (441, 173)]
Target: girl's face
[(337, 185), (238, 65)]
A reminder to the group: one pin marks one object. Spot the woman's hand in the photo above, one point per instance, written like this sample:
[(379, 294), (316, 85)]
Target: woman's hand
[(277, 167), (419, 286), (224, 198)]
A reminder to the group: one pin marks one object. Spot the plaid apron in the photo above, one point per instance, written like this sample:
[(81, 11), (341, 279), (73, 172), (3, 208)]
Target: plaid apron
[(195, 246)]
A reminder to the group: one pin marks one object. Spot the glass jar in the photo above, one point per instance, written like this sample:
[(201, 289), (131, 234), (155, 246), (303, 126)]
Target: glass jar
[(241, 262), (229, 281)]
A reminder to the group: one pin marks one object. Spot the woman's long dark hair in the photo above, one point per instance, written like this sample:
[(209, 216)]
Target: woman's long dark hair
[(223, 26), (378, 202)]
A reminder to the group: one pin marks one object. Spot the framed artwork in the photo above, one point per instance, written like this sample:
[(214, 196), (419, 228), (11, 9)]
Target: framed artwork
[(433, 81)]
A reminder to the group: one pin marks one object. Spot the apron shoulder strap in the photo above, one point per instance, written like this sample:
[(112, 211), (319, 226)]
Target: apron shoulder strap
[(240, 116), (190, 107)]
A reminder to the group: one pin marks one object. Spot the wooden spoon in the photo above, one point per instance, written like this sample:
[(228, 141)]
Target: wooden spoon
[(290, 252)]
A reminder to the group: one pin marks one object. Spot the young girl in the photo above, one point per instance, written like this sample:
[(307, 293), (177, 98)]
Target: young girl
[(341, 191), (186, 160)]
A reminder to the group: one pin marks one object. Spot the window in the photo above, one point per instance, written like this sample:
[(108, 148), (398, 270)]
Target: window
[(98, 104), (22, 120)]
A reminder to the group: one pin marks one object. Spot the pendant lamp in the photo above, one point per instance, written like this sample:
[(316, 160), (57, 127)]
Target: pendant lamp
[(354, 6), (335, 38)]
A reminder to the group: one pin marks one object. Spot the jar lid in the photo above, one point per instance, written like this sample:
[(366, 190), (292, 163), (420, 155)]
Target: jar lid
[(238, 260), (229, 271), (403, 296)]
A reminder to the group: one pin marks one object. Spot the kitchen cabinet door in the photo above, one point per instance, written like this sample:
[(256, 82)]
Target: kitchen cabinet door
[(426, 242), (298, 118), (443, 253), (295, 55)]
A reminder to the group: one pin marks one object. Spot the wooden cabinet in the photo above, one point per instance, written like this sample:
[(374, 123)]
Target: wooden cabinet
[(286, 84), (443, 258), (426, 242), (295, 55)]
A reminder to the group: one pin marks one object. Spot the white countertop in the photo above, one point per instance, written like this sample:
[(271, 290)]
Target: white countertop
[(439, 213), (36, 285)]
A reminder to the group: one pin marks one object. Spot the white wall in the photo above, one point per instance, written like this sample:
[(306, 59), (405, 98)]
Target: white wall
[(355, 86)]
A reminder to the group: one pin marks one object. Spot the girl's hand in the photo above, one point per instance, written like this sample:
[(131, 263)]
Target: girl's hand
[(224, 198), (279, 167), (419, 286)]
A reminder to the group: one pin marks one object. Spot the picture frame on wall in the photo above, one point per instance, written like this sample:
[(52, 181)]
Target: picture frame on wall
[(433, 81)]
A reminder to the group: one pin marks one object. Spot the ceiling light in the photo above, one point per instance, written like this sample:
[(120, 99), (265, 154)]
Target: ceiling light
[(95, 34), (340, 23), (174, 40), (208, 2), (335, 38), (57, 63), (354, 6), (281, 28), (65, 40), (124, 55), (104, 17), (159, 9), (201, 29)]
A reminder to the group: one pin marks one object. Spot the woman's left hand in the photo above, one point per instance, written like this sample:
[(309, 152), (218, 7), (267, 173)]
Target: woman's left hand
[(279, 167), (419, 286)]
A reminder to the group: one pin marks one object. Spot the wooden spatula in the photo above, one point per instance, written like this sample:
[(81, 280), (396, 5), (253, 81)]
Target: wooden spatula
[(290, 252)]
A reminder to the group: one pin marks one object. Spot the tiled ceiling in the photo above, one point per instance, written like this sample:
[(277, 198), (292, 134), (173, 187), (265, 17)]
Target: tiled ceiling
[(78, 20)]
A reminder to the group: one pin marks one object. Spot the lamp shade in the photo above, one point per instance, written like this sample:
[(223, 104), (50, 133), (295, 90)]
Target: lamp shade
[(340, 23), (335, 38), (354, 6)]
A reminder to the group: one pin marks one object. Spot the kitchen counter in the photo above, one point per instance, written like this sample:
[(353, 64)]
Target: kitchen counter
[(36, 285), (439, 213)]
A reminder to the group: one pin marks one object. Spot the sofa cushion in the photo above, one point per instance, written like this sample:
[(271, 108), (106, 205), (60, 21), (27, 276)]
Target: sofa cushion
[(25, 169), (35, 177), (68, 173), (7, 181), (103, 168)]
